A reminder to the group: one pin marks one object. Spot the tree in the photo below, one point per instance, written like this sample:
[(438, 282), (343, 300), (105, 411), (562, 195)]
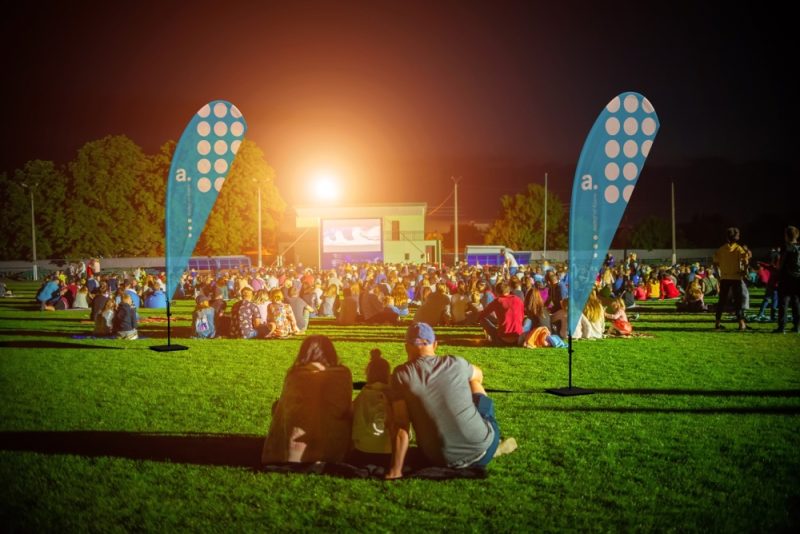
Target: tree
[(233, 223), (468, 234), (652, 232), (111, 197), (521, 223), (49, 194)]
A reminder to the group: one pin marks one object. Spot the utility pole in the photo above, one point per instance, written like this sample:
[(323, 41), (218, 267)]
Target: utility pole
[(674, 252), (544, 246), (33, 229), (260, 249), (455, 227)]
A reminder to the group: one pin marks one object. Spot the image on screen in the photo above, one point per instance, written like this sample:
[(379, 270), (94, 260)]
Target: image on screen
[(351, 235)]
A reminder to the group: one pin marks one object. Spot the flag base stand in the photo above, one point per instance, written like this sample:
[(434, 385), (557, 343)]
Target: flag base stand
[(570, 390), (169, 347)]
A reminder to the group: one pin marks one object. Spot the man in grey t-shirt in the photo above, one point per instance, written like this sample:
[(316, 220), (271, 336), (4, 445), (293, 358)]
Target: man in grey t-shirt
[(443, 397)]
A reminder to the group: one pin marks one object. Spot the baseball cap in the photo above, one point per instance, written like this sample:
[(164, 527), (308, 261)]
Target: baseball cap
[(420, 334), (201, 298)]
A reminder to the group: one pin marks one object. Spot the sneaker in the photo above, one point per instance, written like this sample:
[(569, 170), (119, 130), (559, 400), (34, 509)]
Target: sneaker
[(506, 446)]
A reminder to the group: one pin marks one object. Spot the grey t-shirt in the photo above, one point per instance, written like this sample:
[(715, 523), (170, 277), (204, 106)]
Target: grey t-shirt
[(448, 427)]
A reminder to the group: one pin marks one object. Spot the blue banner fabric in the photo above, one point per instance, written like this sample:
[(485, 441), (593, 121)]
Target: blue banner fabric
[(608, 169), (202, 159)]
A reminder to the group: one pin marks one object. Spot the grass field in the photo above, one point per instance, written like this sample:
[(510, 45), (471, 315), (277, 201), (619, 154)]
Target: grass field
[(690, 430)]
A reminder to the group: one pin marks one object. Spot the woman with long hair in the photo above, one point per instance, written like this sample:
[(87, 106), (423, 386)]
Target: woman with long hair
[(311, 421)]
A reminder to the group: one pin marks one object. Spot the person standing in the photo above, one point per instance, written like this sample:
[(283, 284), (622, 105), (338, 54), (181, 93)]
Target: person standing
[(444, 398), (731, 258), (789, 281)]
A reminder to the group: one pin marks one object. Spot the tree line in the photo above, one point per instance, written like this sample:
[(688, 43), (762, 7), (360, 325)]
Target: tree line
[(109, 201)]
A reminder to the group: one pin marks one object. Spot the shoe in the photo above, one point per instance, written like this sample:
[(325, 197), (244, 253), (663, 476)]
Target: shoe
[(506, 446), (719, 327), (778, 331), (634, 316), (795, 330)]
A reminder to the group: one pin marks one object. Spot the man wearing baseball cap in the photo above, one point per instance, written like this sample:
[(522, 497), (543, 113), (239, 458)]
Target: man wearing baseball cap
[(443, 397)]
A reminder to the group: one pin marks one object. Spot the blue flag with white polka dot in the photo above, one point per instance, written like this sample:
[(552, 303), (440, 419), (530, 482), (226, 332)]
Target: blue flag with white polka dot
[(201, 162), (608, 169)]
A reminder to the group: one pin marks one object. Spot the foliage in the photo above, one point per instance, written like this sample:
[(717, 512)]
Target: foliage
[(652, 232), (109, 201), (468, 234), (689, 430), (233, 224), (521, 222)]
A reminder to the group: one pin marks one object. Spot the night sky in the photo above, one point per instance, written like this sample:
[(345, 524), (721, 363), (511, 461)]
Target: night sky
[(396, 97)]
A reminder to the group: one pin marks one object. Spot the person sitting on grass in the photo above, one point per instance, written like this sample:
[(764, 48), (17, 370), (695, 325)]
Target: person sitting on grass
[(311, 421), (48, 294), (371, 442), (444, 398), (245, 318), (506, 327), (300, 309), (592, 322), (693, 299), (653, 287), (81, 301), (668, 288), (125, 322), (203, 319), (281, 322), (620, 325), (104, 322)]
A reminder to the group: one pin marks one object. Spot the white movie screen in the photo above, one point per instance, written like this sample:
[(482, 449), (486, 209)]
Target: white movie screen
[(351, 235)]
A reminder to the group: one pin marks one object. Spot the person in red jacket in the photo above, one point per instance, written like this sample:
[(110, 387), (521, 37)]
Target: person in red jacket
[(506, 328), (668, 288)]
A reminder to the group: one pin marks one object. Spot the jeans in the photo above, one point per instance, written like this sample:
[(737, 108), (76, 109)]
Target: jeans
[(771, 300), (490, 327), (485, 407)]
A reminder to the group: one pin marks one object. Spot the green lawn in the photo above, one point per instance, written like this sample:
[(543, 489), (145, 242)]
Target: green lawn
[(691, 429)]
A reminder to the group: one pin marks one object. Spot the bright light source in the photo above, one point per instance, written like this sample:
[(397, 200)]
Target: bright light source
[(326, 187)]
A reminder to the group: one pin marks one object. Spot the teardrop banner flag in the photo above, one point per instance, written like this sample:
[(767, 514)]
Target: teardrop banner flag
[(608, 169), (203, 157)]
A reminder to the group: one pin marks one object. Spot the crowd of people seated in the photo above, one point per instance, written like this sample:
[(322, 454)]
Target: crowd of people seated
[(509, 303)]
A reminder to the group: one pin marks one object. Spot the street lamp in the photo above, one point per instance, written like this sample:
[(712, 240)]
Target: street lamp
[(30, 188), (455, 222), (260, 249)]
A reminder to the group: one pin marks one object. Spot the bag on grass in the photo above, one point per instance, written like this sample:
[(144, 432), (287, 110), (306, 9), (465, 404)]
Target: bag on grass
[(537, 338)]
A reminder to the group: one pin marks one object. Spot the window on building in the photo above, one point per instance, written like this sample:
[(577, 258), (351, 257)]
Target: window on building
[(395, 230)]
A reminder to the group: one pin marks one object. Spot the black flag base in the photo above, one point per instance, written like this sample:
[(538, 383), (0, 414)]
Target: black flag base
[(569, 391), (168, 348)]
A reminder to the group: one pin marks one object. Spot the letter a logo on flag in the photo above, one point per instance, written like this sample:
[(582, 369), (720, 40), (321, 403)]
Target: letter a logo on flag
[(203, 157), (608, 168)]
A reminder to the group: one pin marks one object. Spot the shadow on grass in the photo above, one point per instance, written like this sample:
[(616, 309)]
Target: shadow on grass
[(43, 344), (744, 410), (201, 449), (676, 391)]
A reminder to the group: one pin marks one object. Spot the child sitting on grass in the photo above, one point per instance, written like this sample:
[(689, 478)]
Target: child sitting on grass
[(104, 321), (125, 322), (620, 325), (371, 443)]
